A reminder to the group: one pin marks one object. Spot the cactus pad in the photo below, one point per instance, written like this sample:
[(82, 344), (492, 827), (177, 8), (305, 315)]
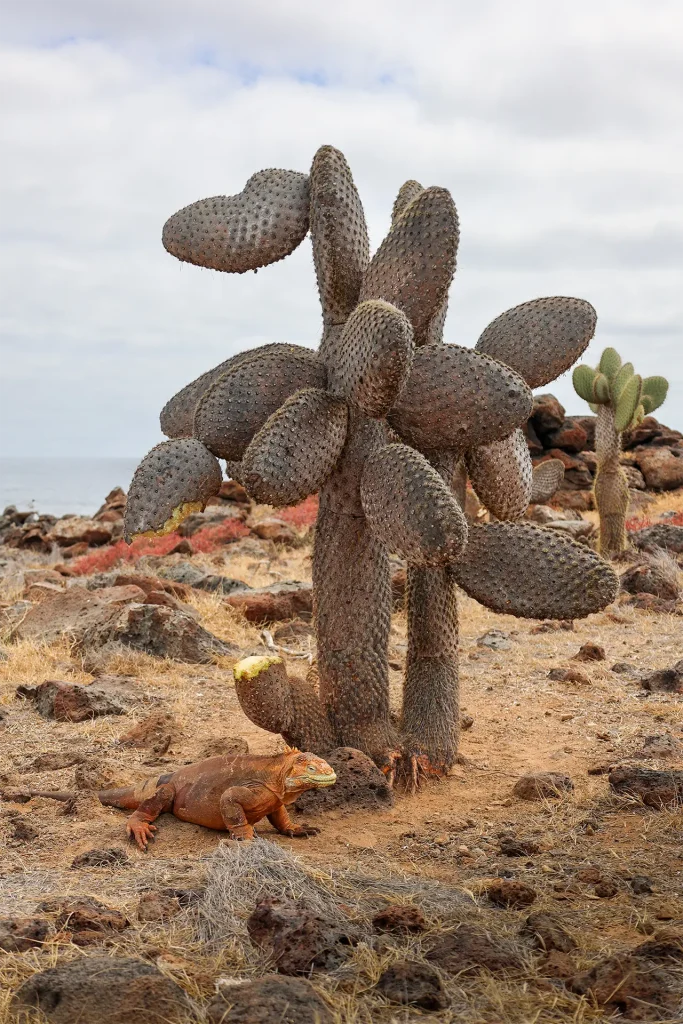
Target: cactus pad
[(546, 478), (501, 475), (524, 570), (339, 233), (458, 398), (542, 338), (296, 449), (627, 402), (654, 393), (174, 479), (410, 508), (582, 379), (376, 353), (610, 363), (265, 222), (235, 406), (414, 265)]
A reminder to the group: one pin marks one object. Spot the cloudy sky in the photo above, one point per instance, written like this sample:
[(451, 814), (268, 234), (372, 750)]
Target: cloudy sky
[(557, 127)]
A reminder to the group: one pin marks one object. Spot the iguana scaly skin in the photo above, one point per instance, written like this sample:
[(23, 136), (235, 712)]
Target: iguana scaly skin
[(226, 793)]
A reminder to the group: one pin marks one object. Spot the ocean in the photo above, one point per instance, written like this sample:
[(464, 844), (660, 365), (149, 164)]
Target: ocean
[(61, 485)]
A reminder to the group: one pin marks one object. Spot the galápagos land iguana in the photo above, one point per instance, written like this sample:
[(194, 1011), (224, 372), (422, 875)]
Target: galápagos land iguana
[(226, 793)]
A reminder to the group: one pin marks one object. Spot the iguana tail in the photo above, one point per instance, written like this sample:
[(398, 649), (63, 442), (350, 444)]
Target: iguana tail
[(128, 798)]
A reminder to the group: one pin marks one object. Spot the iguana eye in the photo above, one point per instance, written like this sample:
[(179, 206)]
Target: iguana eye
[(311, 767)]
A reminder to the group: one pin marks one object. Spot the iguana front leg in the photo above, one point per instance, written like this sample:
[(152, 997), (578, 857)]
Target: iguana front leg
[(232, 806), (139, 826), (280, 820)]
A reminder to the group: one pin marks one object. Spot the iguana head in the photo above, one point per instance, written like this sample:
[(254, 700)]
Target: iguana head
[(307, 771)]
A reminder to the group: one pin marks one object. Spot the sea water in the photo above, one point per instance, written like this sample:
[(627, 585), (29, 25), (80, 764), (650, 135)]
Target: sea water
[(62, 485)]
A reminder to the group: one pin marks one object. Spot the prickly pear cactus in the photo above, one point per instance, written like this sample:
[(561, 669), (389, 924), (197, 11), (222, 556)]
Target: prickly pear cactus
[(621, 399), (375, 421)]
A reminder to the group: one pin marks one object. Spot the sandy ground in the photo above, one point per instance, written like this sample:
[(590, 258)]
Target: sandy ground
[(449, 831)]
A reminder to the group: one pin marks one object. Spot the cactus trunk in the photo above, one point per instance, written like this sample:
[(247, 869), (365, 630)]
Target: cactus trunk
[(611, 485), (351, 583)]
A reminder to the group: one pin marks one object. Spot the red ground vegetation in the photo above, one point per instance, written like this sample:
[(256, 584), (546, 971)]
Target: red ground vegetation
[(636, 523), (304, 514), (206, 540)]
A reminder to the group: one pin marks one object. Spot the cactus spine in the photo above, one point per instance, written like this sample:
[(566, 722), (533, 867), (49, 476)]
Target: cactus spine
[(621, 399)]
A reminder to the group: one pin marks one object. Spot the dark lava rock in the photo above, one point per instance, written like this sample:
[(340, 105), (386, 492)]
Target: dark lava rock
[(662, 535), (111, 856), (71, 702), (91, 990), (606, 889), (570, 436), (469, 946), (17, 934), (509, 893), (413, 984), (654, 788), (396, 918), (630, 985), (156, 733), (546, 932), (298, 939), (164, 632), (641, 885), (650, 578), (192, 576), (293, 632), (267, 1001), (543, 786), (557, 965), (590, 652), (664, 945), (511, 847), (547, 414), (23, 831), (667, 680), (89, 920), (274, 603), (495, 640), (360, 784)]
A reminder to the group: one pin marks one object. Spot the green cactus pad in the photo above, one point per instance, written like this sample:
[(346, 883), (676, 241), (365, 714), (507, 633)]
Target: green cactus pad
[(610, 363), (601, 389), (410, 508), (414, 265), (547, 477), (175, 478), (295, 451), (408, 191), (236, 406), (542, 338), (583, 378), (458, 398), (655, 390), (523, 570), (375, 356), (627, 403), (621, 378), (262, 224), (501, 475), (339, 234)]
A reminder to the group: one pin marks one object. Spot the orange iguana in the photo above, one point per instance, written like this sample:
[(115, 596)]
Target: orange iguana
[(226, 793)]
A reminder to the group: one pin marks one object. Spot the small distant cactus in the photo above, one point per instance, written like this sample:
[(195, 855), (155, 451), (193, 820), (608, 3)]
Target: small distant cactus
[(375, 421), (621, 399)]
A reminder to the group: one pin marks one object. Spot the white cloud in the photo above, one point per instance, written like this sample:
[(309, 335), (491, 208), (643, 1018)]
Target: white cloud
[(557, 129)]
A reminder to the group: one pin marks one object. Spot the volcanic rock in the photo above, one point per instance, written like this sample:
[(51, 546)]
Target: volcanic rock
[(413, 984), (298, 939), (266, 1000), (542, 786), (274, 603), (131, 990), (360, 785)]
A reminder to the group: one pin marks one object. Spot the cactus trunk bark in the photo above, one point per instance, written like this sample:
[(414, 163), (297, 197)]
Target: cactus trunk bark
[(611, 486), (352, 587), (431, 692)]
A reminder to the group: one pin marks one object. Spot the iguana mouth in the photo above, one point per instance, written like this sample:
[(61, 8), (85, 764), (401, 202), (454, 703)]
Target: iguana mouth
[(322, 780)]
